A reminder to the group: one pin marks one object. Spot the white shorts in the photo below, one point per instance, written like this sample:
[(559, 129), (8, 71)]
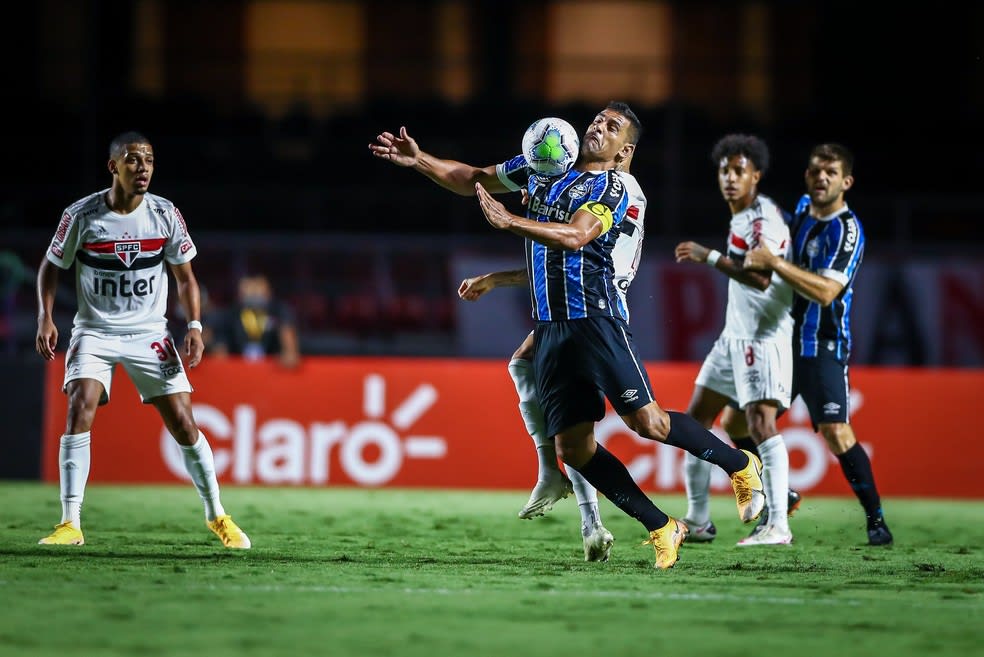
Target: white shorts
[(749, 370), (149, 358)]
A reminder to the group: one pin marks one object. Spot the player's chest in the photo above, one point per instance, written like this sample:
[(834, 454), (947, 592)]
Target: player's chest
[(557, 201), (139, 225)]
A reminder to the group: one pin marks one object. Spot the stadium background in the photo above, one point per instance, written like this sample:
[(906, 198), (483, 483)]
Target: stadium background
[(260, 113)]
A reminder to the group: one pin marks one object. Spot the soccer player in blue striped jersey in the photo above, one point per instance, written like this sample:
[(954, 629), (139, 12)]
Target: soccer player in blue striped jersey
[(552, 485), (827, 249), (583, 349)]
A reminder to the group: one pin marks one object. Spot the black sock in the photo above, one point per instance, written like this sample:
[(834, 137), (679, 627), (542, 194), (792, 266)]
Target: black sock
[(746, 443), (612, 479), (686, 433), (857, 469)]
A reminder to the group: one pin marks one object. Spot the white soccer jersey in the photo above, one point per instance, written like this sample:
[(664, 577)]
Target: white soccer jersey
[(628, 246), (120, 279), (753, 314)]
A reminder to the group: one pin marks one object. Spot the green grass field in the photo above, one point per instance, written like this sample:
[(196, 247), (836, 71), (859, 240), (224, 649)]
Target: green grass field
[(392, 572)]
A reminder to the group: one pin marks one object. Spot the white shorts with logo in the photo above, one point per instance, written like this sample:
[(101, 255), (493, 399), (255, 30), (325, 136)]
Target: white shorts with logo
[(150, 359), (749, 370)]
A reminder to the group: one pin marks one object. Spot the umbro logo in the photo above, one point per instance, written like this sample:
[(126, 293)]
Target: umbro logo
[(831, 408), (630, 395)]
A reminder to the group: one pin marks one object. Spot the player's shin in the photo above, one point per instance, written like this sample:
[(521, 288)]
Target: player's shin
[(697, 477), (73, 468), (687, 434), (775, 478), (200, 465)]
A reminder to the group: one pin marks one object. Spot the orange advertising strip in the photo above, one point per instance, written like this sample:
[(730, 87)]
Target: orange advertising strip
[(408, 422)]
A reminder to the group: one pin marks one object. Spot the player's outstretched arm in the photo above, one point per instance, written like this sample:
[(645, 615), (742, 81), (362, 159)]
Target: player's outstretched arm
[(190, 297), (47, 284), (472, 288), (458, 177)]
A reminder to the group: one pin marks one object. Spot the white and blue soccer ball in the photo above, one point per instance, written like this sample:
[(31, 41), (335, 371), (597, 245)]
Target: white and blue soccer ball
[(550, 146)]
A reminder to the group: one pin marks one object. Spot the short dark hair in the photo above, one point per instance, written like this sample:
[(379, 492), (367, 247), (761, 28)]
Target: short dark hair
[(635, 131), (121, 140), (748, 146), (832, 152)]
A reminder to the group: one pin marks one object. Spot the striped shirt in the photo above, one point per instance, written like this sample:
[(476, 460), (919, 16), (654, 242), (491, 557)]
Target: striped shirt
[(833, 247), (120, 276), (570, 284)]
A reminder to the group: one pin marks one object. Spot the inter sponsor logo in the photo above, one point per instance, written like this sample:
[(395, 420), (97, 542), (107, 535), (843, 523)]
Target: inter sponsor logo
[(121, 286)]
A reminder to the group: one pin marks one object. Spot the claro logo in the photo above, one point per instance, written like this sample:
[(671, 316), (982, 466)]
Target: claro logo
[(283, 451)]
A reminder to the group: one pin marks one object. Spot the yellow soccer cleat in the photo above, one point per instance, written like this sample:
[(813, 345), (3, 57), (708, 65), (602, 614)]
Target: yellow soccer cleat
[(64, 534), (749, 491), (666, 541), (230, 533)]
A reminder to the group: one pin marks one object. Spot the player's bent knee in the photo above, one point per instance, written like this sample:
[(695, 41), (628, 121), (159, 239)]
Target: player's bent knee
[(650, 422), (838, 436)]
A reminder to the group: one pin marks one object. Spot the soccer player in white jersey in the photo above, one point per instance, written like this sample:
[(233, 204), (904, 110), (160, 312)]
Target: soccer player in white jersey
[(752, 360), (119, 240), (552, 485)]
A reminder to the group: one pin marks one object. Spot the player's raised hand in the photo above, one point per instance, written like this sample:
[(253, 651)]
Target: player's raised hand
[(691, 252), (47, 338), (472, 288), (194, 347), (401, 150), (495, 212)]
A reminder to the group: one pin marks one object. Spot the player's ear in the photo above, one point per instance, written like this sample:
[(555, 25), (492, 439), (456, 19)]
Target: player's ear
[(111, 165), (848, 182), (625, 152)]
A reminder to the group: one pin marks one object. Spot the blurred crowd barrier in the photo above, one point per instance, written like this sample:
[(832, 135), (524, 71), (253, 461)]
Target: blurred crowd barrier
[(393, 295)]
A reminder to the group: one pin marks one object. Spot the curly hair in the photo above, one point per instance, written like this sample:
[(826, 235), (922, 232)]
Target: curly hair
[(748, 146)]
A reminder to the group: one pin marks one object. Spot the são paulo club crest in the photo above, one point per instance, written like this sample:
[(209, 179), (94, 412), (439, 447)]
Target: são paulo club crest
[(127, 251)]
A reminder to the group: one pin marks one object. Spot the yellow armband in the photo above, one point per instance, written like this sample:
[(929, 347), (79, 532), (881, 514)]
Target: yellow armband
[(603, 212)]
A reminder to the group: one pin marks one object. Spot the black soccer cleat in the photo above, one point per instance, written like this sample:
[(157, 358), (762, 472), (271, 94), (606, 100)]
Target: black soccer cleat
[(879, 534)]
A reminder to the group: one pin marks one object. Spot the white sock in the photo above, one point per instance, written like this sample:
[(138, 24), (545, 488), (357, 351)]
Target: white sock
[(521, 371), (73, 472), (775, 478), (201, 466), (587, 500), (697, 477)]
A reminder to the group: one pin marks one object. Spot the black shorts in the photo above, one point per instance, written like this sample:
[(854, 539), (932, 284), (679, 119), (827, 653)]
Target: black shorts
[(822, 382), (580, 362)]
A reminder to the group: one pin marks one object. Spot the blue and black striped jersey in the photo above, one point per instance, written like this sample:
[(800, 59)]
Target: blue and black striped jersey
[(570, 284), (832, 247)]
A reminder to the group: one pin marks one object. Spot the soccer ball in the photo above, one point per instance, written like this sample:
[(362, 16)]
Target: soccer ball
[(550, 146)]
